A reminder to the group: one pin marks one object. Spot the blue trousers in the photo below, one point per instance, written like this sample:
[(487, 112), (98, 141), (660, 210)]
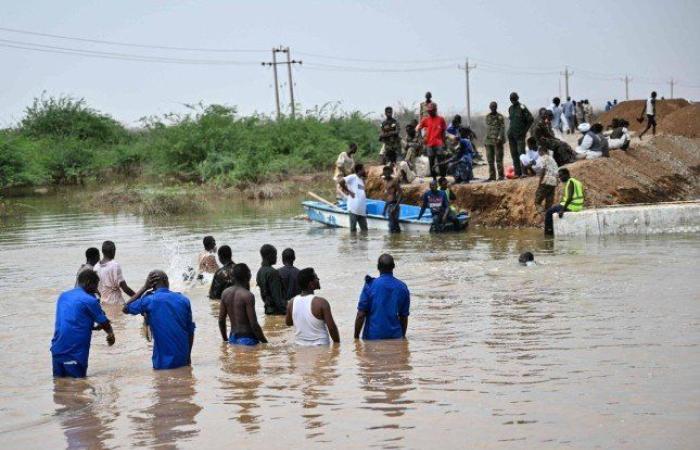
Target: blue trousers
[(66, 367)]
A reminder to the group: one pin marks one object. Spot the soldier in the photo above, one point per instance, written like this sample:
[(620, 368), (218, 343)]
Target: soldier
[(412, 144), (495, 138), (520, 120), (389, 136), (423, 112)]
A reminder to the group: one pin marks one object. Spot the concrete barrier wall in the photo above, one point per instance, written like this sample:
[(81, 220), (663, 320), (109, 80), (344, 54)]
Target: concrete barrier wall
[(682, 217)]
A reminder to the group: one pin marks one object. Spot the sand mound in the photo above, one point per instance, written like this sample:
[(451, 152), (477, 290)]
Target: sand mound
[(665, 168), (683, 122), (631, 109)]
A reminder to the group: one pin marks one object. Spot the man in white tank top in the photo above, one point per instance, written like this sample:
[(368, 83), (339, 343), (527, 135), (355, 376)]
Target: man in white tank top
[(310, 315)]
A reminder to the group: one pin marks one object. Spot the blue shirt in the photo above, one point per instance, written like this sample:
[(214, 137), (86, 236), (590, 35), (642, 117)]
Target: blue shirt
[(76, 313), (435, 201), (384, 299), (170, 319)]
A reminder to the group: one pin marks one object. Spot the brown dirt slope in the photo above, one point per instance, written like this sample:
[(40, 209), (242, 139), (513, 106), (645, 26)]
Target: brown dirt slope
[(683, 122), (665, 168), (631, 109)]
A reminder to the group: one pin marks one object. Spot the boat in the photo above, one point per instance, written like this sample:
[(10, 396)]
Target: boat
[(336, 215)]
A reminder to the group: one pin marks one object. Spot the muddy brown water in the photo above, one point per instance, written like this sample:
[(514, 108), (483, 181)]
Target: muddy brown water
[(598, 346)]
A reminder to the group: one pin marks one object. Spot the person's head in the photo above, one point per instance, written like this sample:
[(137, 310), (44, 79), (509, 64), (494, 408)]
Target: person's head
[(92, 256), (653, 94), (493, 106), (268, 254), (352, 148), (526, 257), (609, 103), (568, 99), (556, 101), (288, 256), (88, 280), (225, 254), (597, 128), (432, 109), (442, 182), (584, 127), (385, 264), (109, 249), (547, 116), (360, 170), (433, 185), (241, 275), (410, 130), (387, 172), (464, 132), (615, 102), (457, 120), (514, 97), (542, 150), (209, 243), (158, 279), (564, 174), (531, 142), (388, 112), (428, 96), (585, 101), (308, 280)]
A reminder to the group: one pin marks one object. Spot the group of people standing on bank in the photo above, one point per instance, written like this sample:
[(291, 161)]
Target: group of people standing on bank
[(382, 310)]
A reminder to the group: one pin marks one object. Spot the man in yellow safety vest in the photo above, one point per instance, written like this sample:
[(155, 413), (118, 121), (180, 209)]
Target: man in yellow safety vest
[(572, 200)]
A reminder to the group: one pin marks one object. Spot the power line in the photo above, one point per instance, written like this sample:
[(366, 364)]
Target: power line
[(130, 44), (341, 68)]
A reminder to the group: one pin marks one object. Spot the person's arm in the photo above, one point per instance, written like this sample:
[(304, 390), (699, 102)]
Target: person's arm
[(344, 187), (288, 319), (122, 283), (502, 132), (569, 198), (359, 323), (420, 125), (328, 318), (253, 319), (587, 142), (276, 291), (445, 206), (98, 316), (404, 311), (223, 314), (403, 320), (191, 336)]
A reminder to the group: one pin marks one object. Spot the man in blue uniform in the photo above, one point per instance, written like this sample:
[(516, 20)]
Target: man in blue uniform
[(77, 311), (384, 304), (170, 319)]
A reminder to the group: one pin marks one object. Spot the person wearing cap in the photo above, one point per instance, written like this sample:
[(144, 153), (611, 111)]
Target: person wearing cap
[(520, 120), (590, 144), (434, 139)]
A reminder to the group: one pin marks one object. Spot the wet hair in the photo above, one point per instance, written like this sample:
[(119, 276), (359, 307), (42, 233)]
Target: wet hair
[(268, 252), (209, 242), (92, 254), (385, 263), (161, 278), (597, 128), (88, 277), (305, 277), (288, 255), (225, 253), (109, 249), (241, 273), (556, 101), (526, 257), (359, 167), (564, 171), (531, 142)]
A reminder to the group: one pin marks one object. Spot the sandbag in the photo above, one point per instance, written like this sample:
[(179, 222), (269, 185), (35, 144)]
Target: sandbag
[(422, 166)]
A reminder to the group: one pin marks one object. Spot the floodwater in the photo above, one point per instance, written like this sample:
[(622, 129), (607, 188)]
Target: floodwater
[(598, 346)]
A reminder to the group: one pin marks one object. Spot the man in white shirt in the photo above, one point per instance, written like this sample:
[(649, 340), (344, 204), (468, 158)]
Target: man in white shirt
[(112, 281), (310, 315), (650, 111), (354, 187), (343, 167)]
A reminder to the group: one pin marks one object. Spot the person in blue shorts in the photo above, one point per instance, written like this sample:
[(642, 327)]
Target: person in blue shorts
[(384, 304), (77, 312), (170, 318), (238, 304)]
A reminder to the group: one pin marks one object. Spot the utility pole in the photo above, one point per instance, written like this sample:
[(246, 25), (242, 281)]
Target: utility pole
[(274, 64), (627, 80), (467, 68), (566, 74), (672, 82)]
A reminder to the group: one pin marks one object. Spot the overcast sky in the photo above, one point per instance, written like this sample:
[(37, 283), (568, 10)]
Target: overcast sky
[(516, 45)]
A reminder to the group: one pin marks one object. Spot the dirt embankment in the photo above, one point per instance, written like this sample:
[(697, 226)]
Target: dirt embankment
[(665, 168), (683, 122), (631, 109)]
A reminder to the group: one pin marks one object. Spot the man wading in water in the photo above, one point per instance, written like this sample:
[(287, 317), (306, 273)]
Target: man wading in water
[(392, 191), (238, 304), (223, 277), (270, 283), (112, 281), (310, 315)]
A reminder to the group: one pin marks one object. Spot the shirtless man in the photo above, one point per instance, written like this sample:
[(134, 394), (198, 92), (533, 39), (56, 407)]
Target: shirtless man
[(238, 304), (392, 193), (206, 261)]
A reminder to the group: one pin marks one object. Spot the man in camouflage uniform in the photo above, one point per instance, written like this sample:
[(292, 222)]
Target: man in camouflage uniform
[(389, 136), (495, 138), (423, 111), (412, 144), (520, 120)]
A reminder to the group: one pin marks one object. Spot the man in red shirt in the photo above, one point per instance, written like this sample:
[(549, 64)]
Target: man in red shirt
[(434, 139)]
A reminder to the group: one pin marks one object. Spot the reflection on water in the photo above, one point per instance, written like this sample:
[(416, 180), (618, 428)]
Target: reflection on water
[(596, 346)]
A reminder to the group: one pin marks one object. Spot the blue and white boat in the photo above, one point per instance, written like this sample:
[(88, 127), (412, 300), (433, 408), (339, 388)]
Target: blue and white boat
[(337, 216)]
